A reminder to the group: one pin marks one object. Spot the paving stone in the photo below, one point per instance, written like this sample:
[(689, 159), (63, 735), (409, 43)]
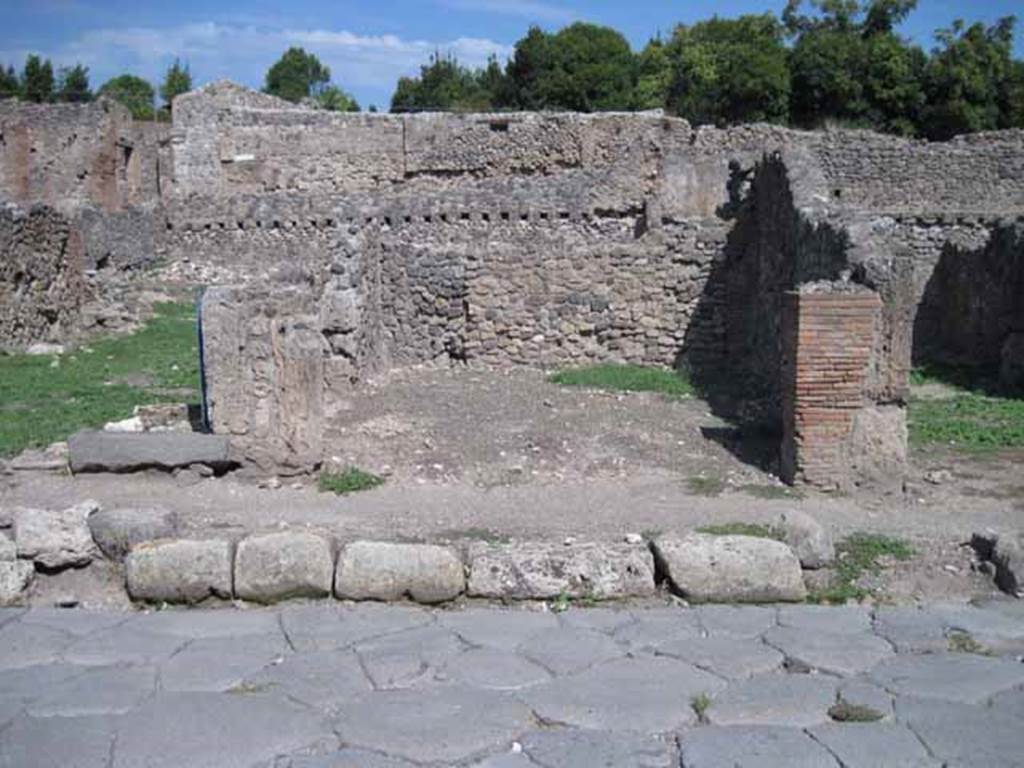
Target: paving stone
[(321, 679), (994, 630), (195, 623), (607, 620), (950, 676), (840, 654), (506, 760), (741, 621), (567, 651), (835, 619), (58, 742), (122, 645), (730, 569), (326, 625), (78, 622), (179, 571), (1009, 703), (19, 687), (735, 658), (279, 566), (962, 735), (371, 570), (96, 691), (864, 694), (346, 758), (543, 572), (55, 539), (655, 627), (25, 645), (571, 748), (408, 659), (9, 614), (810, 540), (220, 663), (752, 747), (496, 628), (643, 694), (99, 451), (216, 730), (783, 700), (116, 531), (911, 629), (873, 745), (495, 670), (433, 722), (15, 578)]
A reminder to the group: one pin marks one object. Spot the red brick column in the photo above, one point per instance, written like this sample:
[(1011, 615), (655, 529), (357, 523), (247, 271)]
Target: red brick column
[(828, 340)]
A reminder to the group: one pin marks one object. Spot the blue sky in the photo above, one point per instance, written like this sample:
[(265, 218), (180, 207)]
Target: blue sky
[(367, 45)]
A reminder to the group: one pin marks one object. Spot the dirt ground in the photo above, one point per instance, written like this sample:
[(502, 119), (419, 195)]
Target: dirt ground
[(506, 455)]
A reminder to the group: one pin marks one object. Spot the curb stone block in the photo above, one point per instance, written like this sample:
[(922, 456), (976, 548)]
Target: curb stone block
[(733, 569), (8, 550), (179, 571), (278, 566), (809, 540), (116, 531), (370, 570), (15, 578), (542, 572), (98, 451), (55, 539)]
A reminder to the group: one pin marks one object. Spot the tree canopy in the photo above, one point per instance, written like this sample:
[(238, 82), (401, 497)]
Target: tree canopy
[(177, 80), (333, 99), (134, 92), (37, 81), (297, 75), (444, 84), (73, 84)]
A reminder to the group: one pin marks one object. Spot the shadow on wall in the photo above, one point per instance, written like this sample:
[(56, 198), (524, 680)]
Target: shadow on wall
[(971, 315), (733, 348)]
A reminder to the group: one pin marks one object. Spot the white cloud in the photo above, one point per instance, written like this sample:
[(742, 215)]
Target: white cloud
[(369, 65), (529, 9)]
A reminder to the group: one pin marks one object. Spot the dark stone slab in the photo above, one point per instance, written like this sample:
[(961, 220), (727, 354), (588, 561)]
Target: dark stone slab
[(97, 451)]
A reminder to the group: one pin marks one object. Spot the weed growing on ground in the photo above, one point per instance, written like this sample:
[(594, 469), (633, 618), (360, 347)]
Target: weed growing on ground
[(771, 491), (700, 705), (351, 480), (962, 642), (701, 485), (845, 712), (44, 398), (856, 555), (626, 378), (743, 529)]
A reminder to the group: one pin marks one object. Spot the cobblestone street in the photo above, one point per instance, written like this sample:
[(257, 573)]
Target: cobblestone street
[(323, 685)]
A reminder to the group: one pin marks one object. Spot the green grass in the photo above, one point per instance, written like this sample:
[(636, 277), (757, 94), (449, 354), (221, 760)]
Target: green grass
[(626, 378), (974, 416), (857, 555), (99, 382), (701, 485), (845, 712), (700, 705), (742, 529), (963, 642), (351, 480), (771, 491)]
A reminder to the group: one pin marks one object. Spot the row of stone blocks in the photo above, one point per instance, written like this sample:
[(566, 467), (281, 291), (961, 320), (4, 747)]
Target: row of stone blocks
[(270, 567)]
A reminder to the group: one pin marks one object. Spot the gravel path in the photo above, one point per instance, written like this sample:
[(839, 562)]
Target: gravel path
[(327, 685)]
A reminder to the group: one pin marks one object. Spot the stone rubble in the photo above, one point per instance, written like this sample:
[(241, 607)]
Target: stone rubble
[(55, 539), (116, 531)]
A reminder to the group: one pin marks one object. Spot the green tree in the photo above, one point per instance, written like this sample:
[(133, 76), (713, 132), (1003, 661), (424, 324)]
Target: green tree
[(654, 75), (334, 99), (849, 66), (177, 80), (133, 92), (37, 81), (297, 75), (445, 84), (74, 84), (968, 79), (1013, 98), (726, 71), (9, 84), (582, 67)]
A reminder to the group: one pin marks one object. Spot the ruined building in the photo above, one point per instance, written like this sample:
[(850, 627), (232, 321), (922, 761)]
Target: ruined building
[(795, 275)]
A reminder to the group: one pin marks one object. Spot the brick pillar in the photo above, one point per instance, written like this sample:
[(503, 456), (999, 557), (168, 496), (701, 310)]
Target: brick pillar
[(828, 341)]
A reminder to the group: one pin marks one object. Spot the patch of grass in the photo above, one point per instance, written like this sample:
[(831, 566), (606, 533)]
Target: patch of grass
[(857, 555), (771, 491), (845, 712), (743, 529), (42, 401), (963, 642), (700, 705), (351, 480), (626, 378), (700, 485)]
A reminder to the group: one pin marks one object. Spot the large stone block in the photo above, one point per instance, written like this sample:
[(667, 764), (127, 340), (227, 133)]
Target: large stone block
[(55, 539), (369, 570), (179, 571), (541, 572), (278, 566), (740, 569), (116, 531), (810, 540), (92, 451), (15, 578)]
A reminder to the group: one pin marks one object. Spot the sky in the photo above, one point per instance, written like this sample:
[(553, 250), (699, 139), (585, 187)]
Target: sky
[(367, 45)]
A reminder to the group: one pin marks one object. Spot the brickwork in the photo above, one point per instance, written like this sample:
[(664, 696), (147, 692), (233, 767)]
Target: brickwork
[(829, 337)]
